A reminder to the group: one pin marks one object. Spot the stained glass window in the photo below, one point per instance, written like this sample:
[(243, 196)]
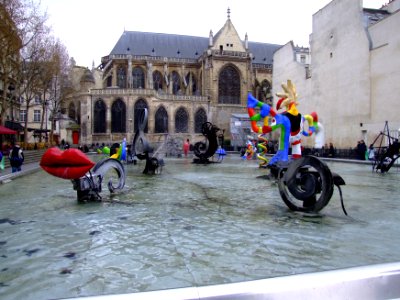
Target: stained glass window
[(118, 116), (157, 81), (121, 77), (161, 121), (229, 86), (181, 120), (137, 78), (199, 119), (176, 83), (99, 120), (139, 106)]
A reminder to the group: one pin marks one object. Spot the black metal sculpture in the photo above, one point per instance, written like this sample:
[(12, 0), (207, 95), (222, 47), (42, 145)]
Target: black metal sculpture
[(385, 156), (86, 176), (142, 149), (306, 184), (205, 150), (89, 187)]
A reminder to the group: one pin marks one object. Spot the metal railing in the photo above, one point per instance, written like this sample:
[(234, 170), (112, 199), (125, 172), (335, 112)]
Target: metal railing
[(145, 92), (369, 282)]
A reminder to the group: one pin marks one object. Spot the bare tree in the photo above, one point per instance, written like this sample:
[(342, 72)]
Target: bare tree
[(23, 22), (61, 86), (34, 64)]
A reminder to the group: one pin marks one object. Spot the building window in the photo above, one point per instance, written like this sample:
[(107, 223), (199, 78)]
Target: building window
[(181, 120), (229, 86), (99, 120), (138, 78), (72, 111), (36, 115), (176, 83), (157, 81), (199, 119), (121, 77), (118, 116), (37, 99), (191, 81), (161, 121), (138, 110), (22, 115), (303, 59), (109, 81)]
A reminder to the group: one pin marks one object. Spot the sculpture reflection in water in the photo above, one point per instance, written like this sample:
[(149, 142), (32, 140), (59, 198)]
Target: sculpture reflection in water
[(305, 183)]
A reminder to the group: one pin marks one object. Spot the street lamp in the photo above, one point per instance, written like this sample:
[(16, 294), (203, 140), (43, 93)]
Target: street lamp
[(46, 103)]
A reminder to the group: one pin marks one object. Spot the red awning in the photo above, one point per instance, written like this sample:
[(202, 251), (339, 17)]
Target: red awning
[(5, 130)]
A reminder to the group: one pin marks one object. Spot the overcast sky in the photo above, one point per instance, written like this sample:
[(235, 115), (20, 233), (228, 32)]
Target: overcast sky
[(90, 28)]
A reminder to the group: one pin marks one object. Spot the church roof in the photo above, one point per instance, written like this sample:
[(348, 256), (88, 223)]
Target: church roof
[(180, 46)]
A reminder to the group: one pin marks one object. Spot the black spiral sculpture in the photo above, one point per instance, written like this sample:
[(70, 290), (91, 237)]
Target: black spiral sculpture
[(142, 149), (89, 186), (306, 184), (204, 150)]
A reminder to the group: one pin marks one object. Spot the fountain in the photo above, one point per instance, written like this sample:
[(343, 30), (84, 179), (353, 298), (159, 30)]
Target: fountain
[(193, 227), (196, 232)]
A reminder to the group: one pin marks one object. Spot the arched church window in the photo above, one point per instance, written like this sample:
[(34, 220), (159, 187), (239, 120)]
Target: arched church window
[(72, 111), (138, 78), (176, 83), (199, 119), (118, 116), (121, 77), (264, 93), (109, 81), (181, 120), (157, 80), (78, 115), (161, 121), (229, 86), (99, 118), (190, 79), (138, 110)]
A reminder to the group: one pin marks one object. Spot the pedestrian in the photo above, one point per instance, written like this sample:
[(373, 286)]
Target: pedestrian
[(16, 157), (361, 150), (1, 161), (326, 150), (331, 150), (186, 147), (371, 152)]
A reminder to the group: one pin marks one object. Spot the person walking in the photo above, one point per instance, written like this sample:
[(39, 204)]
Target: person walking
[(186, 147), (1, 161), (361, 150), (371, 152), (16, 157), (331, 150)]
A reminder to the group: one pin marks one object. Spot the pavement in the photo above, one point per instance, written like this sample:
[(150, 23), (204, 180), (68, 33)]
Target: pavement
[(6, 175)]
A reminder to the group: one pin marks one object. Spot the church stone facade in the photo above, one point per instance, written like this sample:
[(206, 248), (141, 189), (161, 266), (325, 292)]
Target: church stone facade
[(183, 81)]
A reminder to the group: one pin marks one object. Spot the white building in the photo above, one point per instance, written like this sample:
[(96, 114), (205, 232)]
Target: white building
[(352, 79)]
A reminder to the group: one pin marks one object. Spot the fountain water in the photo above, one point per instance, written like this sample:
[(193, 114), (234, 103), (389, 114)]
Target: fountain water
[(191, 226)]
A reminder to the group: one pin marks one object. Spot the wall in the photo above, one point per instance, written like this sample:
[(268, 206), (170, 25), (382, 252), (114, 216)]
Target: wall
[(385, 74)]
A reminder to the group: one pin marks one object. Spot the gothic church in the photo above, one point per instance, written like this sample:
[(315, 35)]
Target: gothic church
[(183, 81)]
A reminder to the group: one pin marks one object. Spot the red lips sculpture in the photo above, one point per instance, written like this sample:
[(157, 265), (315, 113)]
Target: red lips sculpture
[(67, 164)]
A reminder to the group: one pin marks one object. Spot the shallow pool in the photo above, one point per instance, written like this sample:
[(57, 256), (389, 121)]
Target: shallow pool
[(193, 225)]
